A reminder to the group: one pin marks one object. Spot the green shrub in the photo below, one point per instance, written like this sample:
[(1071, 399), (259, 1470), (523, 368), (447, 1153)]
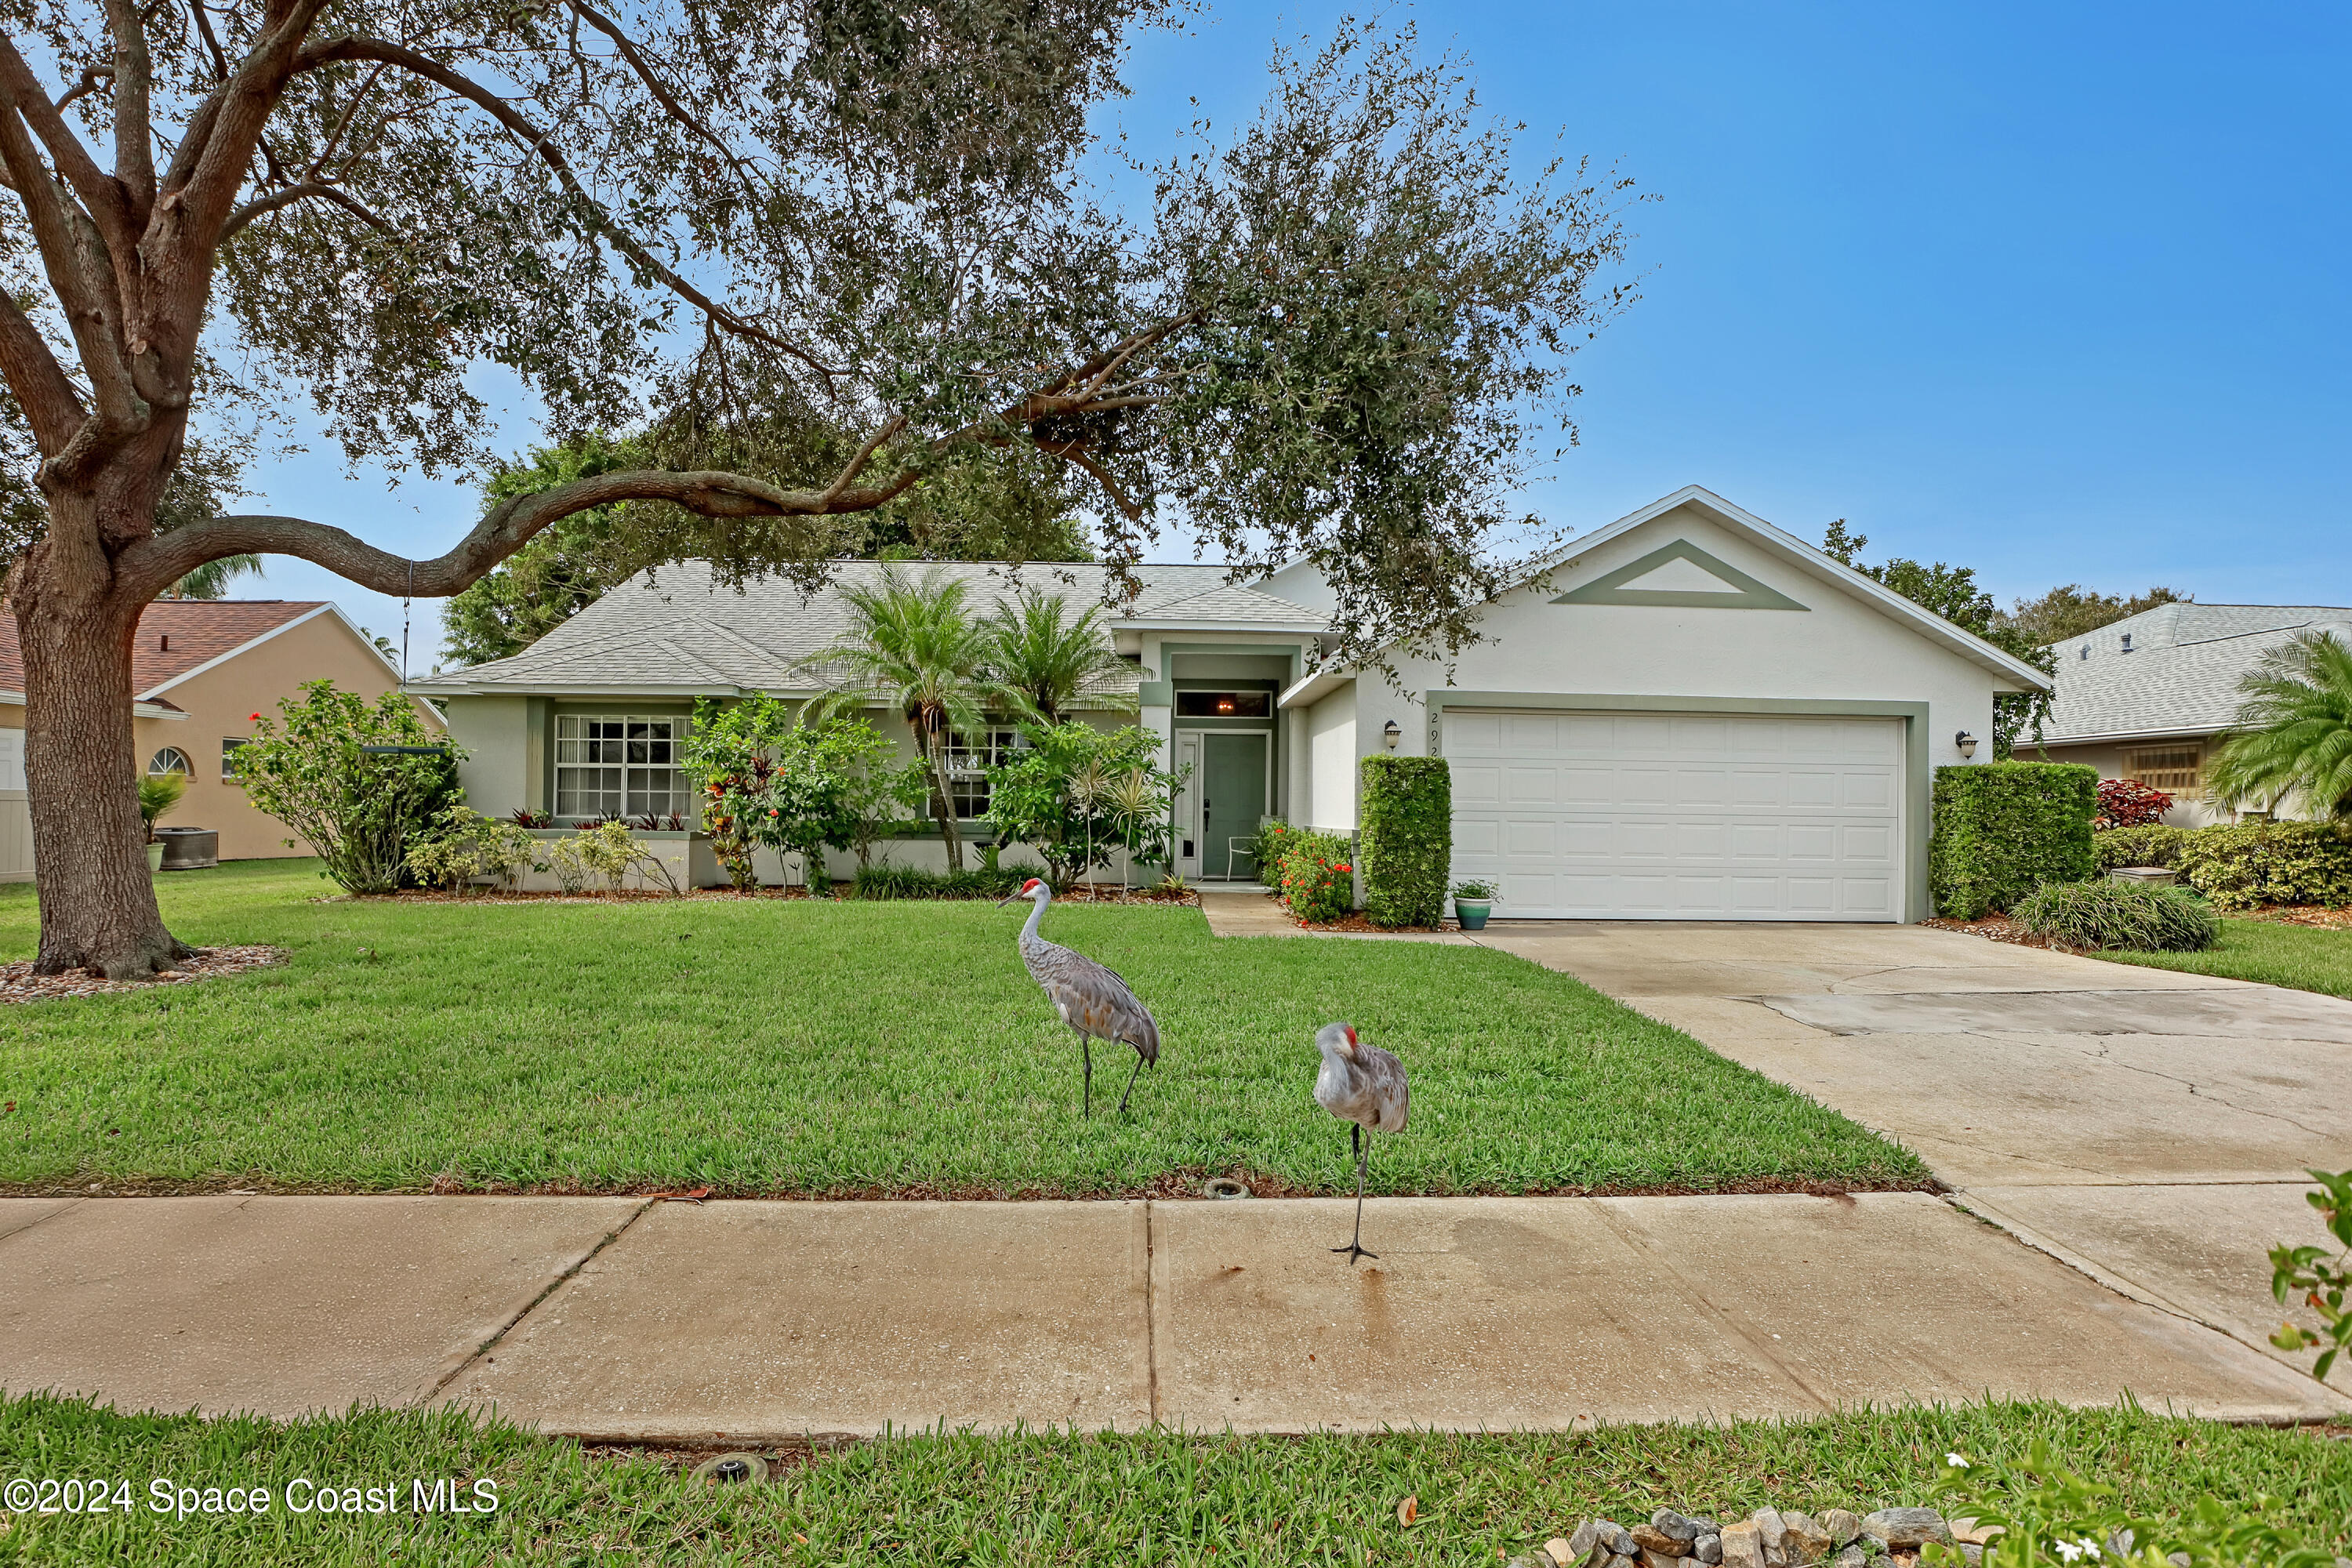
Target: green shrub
[(2271, 863), (887, 881), (2155, 844), (1273, 839), (2046, 1513), (1318, 876), (2003, 829), (2125, 915), (359, 810), (1408, 839)]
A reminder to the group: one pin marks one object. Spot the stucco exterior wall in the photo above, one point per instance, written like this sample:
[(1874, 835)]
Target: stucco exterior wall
[(1838, 650), (1331, 752), (220, 703)]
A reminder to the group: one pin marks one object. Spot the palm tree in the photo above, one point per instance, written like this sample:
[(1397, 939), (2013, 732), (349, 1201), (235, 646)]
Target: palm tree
[(914, 647), (1039, 651), (211, 580), (2293, 735)]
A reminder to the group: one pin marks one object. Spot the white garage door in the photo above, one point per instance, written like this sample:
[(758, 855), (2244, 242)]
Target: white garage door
[(1679, 816)]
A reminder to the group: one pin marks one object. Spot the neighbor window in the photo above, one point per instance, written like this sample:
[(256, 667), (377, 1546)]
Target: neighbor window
[(2173, 769), (968, 752), (171, 760), (619, 765), (230, 746), (1223, 705)]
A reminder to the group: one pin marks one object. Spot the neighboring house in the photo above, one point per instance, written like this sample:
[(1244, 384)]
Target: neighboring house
[(1687, 714), (2143, 698), (200, 669)]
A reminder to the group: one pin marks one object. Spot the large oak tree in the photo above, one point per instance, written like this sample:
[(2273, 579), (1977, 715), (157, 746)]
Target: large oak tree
[(1336, 332)]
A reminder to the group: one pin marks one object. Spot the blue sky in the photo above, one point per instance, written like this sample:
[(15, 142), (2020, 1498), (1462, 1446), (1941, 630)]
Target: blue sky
[(2061, 292)]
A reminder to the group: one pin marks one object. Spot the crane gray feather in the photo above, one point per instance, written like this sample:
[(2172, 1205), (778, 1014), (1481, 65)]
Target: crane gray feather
[(1091, 998), (1361, 1083)]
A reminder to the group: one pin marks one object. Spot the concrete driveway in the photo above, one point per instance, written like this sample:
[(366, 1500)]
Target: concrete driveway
[(2150, 1128)]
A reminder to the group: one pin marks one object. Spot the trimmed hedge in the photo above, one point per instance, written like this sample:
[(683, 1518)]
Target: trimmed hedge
[(1408, 839), (1318, 876), (2152, 846), (2257, 863), (2003, 829), (2118, 915)]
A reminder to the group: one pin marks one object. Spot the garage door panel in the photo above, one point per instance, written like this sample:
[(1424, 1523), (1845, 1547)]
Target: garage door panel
[(1680, 816)]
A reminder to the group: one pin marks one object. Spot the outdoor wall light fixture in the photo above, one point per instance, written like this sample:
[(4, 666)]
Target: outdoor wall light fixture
[(1966, 743), (1391, 735)]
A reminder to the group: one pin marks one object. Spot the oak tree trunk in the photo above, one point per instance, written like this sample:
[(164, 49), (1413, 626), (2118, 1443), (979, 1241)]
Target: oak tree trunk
[(81, 767)]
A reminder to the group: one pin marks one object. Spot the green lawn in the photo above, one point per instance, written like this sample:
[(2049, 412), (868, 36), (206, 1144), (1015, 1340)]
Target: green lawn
[(775, 1047), (2305, 958), (1058, 1498)]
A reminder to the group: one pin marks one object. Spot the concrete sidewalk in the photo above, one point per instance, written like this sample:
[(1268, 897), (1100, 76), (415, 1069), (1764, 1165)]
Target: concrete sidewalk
[(759, 1320), (2150, 1128)]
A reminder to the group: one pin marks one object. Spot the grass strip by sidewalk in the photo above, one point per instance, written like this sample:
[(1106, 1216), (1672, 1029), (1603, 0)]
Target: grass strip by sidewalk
[(796, 1047), (1055, 1498), (2275, 952)]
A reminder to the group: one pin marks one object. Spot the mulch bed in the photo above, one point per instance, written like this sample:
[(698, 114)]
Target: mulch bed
[(1996, 928), (2305, 915), (1358, 923), (20, 984)]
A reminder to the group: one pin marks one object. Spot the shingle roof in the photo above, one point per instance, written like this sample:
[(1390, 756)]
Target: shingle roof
[(678, 628), (175, 635), (2182, 673)]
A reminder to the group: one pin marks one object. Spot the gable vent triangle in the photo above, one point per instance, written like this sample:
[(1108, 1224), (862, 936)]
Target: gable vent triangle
[(1680, 576)]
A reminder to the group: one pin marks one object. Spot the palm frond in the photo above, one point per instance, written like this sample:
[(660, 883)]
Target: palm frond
[(1040, 650), (2292, 735)]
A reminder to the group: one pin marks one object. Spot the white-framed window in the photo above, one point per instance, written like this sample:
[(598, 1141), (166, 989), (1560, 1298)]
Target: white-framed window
[(619, 765), (171, 760), (2176, 770), (230, 746), (968, 752)]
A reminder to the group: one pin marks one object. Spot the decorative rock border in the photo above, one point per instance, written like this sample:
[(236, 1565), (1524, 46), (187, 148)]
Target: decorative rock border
[(1770, 1538)]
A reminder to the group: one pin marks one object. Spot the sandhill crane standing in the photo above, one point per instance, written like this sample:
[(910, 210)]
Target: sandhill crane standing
[(1091, 999), (1365, 1087)]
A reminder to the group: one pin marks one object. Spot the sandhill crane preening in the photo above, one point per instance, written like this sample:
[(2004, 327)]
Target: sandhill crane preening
[(1365, 1087), (1091, 999)]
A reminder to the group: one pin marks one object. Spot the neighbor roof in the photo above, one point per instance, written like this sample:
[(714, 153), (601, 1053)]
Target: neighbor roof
[(178, 636), (2182, 673), (678, 630)]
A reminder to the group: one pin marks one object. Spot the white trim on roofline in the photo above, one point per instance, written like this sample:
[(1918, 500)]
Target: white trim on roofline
[(220, 658), (139, 710), (2170, 733), (1823, 566)]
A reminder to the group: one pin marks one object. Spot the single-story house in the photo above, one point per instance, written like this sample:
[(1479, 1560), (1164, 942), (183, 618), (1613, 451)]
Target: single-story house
[(2143, 698), (1686, 715), (200, 669)]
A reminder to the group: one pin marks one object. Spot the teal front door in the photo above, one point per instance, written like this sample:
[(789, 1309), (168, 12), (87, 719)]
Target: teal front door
[(1233, 797)]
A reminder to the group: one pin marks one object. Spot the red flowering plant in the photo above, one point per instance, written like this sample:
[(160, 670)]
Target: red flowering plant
[(1318, 876), (2128, 802)]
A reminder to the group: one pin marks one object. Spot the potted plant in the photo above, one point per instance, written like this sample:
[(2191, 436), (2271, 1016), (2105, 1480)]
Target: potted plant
[(1473, 903), (158, 793)]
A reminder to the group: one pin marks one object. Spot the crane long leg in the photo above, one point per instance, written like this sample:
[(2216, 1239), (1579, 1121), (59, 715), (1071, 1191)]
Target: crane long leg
[(1355, 1248), (1086, 1055), (1131, 1079)]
